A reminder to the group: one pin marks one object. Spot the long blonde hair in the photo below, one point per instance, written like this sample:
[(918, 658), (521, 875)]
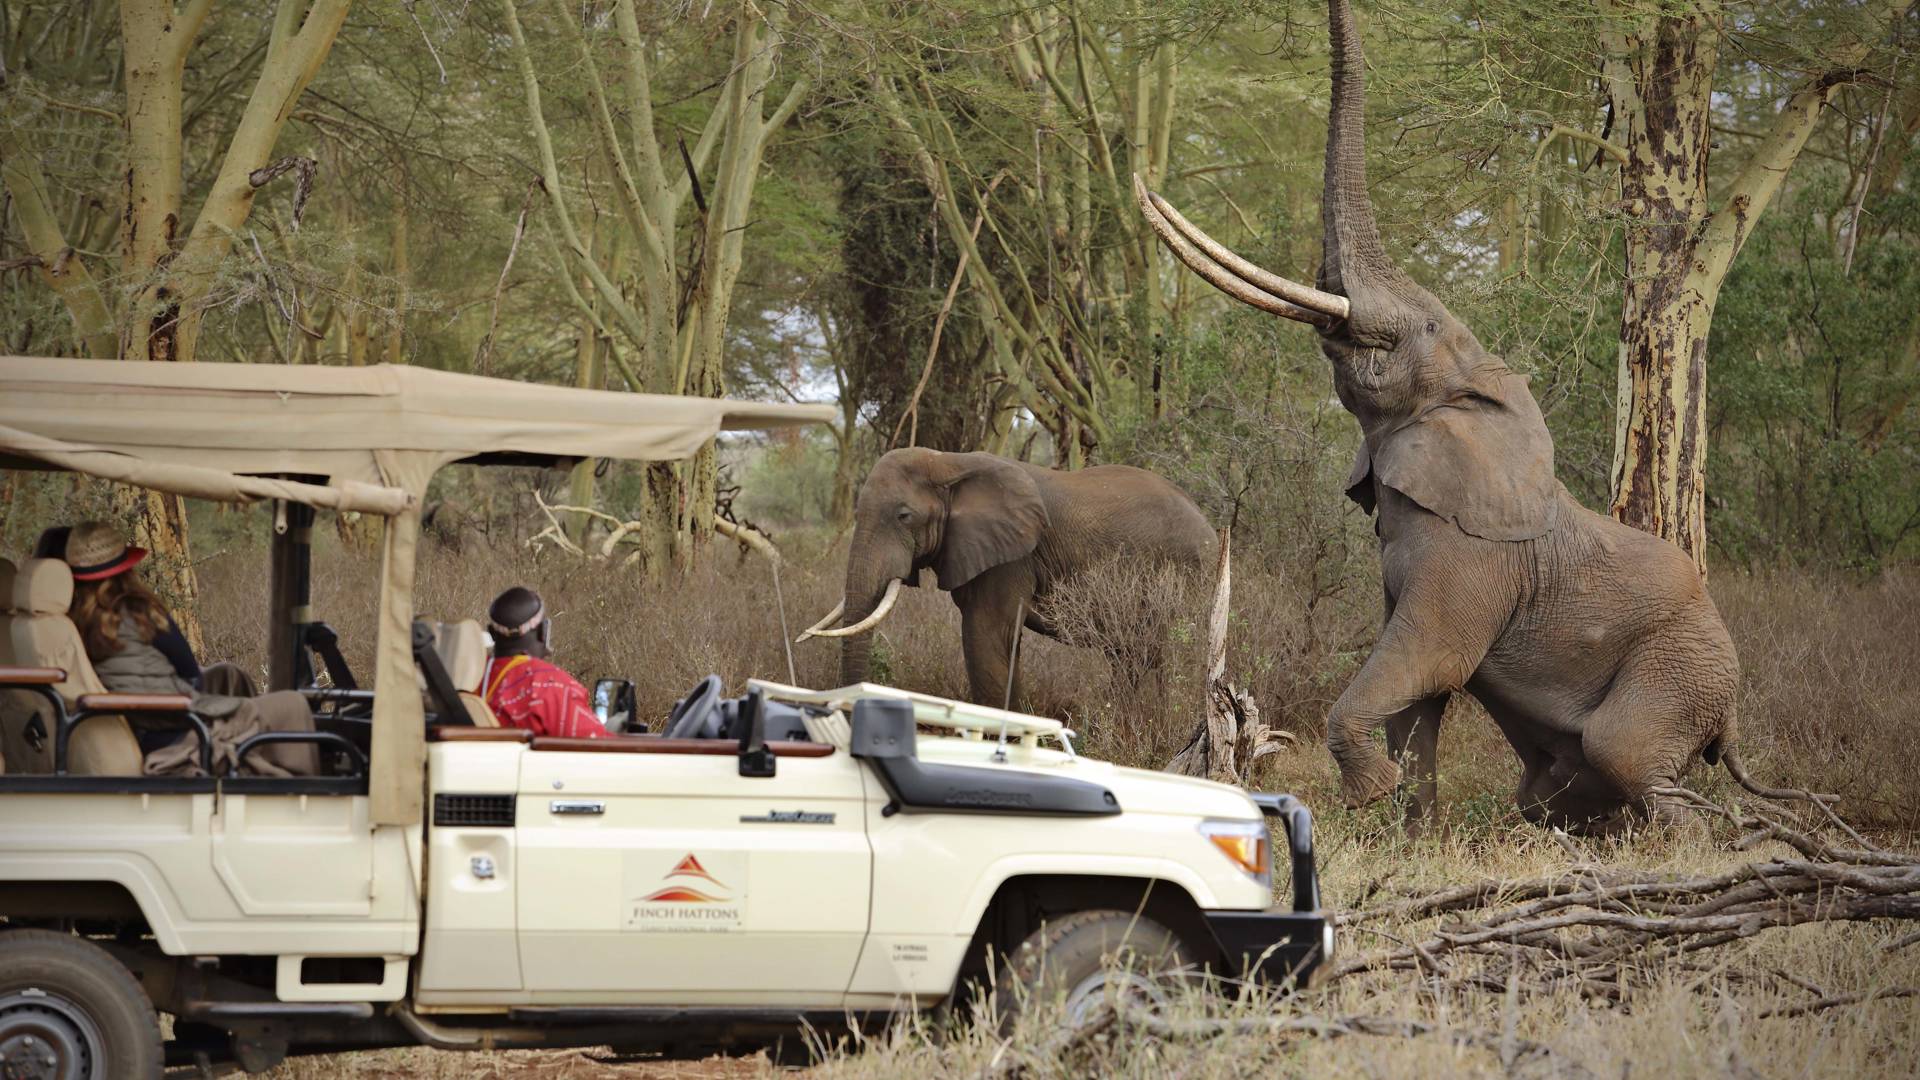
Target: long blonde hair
[(99, 606)]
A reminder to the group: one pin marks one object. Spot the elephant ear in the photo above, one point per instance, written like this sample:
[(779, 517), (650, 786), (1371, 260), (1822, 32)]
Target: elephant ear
[(1483, 460), (994, 515)]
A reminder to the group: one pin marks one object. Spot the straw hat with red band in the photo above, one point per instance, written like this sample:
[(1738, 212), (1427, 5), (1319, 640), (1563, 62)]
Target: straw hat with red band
[(96, 550)]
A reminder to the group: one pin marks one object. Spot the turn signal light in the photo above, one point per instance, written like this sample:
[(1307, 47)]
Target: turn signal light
[(1244, 842)]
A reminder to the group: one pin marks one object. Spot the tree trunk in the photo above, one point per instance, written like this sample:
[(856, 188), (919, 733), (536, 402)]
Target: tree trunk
[(1230, 738), (586, 376), (155, 53), (1659, 75), (62, 268), (1662, 94), (164, 277), (679, 345)]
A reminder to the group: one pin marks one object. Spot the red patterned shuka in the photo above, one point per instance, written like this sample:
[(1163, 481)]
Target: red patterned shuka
[(527, 692)]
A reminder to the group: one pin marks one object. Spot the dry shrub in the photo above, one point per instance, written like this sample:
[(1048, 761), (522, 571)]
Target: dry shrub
[(1830, 685), (1830, 697), (1146, 625)]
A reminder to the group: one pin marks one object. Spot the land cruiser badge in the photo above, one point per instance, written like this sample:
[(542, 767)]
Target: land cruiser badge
[(787, 817), (688, 896)]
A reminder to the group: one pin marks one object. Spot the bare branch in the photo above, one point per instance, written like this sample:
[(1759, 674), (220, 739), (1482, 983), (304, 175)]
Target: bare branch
[(303, 169), (483, 355)]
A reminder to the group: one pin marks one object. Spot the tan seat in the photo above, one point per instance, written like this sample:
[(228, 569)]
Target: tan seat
[(463, 652), (39, 634), (25, 746)]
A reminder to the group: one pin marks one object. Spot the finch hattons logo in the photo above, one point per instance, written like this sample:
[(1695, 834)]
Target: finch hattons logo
[(682, 893), (688, 896)]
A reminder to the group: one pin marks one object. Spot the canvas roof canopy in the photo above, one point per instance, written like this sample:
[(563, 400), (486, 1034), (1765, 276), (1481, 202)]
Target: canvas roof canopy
[(365, 438), (385, 426)]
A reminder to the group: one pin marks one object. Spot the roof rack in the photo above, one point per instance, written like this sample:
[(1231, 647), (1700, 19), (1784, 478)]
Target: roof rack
[(971, 721)]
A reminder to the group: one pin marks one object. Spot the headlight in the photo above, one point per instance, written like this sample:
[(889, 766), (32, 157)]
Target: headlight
[(1245, 843)]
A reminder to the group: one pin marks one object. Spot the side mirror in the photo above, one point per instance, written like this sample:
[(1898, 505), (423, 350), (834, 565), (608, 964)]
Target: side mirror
[(755, 758), (613, 703)]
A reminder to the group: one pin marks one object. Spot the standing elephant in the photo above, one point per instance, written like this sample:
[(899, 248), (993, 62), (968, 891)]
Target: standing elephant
[(1000, 535), (1593, 645)]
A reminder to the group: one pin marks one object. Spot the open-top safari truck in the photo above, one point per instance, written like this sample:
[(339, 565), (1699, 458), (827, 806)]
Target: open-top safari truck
[(760, 864)]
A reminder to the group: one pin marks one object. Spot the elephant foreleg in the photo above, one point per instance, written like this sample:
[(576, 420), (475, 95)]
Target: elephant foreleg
[(993, 608), (1413, 743), (1429, 648)]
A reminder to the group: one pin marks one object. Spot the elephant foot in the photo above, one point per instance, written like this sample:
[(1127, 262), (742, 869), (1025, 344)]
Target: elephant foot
[(1369, 782)]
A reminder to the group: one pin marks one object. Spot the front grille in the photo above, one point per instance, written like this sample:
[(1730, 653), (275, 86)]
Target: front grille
[(488, 810)]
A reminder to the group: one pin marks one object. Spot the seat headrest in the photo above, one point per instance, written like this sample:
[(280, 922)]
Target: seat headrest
[(7, 573), (43, 587), (463, 652)]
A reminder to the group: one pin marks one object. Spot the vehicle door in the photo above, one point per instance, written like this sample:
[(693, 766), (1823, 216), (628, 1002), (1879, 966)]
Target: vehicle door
[(652, 872)]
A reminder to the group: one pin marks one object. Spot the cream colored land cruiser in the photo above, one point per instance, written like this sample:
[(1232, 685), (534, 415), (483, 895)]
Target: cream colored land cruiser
[(754, 866)]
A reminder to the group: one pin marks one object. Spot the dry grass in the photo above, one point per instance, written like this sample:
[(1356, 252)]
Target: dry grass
[(1831, 701), (1703, 1020), (1830, 697)]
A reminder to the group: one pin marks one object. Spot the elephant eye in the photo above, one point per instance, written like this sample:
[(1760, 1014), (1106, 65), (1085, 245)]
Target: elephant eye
[(1432, 325), (903, 515)]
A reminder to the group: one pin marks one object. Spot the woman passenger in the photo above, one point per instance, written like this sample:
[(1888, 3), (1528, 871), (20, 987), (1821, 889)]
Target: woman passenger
[(137, 648)]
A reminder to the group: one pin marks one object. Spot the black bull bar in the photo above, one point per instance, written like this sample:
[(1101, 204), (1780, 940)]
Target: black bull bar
[(1280, 945)]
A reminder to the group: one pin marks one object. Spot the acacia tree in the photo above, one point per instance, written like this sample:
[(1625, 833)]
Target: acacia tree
[(1661, 66), (1024, 132), (666, 320), (165, 275)]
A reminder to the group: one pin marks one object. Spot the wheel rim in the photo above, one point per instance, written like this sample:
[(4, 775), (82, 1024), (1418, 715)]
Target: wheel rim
[(1125, 988), (46, 1036)]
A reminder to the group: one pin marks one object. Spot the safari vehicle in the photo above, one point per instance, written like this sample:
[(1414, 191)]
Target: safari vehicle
[(758, 865)]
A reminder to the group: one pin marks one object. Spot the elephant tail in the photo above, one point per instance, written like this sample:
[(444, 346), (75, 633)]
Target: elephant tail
[(1731, 757)]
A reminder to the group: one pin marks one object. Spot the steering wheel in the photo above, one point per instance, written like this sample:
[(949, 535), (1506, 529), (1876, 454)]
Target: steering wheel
[(696, 716)]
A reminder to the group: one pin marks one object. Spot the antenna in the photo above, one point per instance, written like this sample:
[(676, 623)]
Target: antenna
[(1013, 665), (786, 640)]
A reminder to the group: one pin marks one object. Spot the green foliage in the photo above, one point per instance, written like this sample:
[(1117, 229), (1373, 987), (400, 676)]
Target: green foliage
[(1486, 175), (1815, 448)]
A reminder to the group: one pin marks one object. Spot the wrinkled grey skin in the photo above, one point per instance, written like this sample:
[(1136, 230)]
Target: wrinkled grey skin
[(1594, 645), (999, 535)]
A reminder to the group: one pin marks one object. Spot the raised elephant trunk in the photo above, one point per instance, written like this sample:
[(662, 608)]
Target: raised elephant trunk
[(1355, 261), (1355, 258)]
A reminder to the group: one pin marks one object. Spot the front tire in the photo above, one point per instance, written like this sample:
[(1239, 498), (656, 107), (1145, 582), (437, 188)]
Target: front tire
[(1077, 963), (70, 1011)]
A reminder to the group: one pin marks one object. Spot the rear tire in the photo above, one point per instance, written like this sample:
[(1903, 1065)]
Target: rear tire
[(1073, 964), (70, 1011)]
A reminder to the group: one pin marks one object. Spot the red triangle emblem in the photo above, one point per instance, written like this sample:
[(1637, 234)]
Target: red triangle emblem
[(690, 867)]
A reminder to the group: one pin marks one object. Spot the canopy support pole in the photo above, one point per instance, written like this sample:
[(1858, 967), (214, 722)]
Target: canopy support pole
[(289, 666)]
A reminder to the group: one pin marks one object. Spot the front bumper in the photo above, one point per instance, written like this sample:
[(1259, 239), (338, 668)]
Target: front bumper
[(1276, 947), (1279, 946)]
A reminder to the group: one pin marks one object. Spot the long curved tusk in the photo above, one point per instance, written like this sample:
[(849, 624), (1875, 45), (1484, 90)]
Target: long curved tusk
[(868, 623), (1286, 289), (1264, 291), (825, 621)]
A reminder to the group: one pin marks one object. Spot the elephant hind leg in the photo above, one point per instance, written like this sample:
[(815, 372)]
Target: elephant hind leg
[(1559, 789), (1643, 736)]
